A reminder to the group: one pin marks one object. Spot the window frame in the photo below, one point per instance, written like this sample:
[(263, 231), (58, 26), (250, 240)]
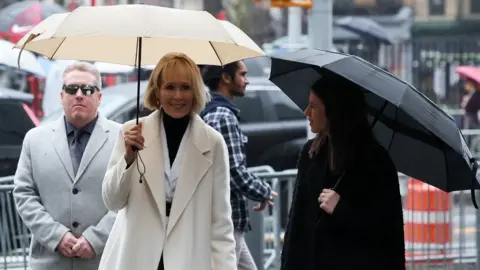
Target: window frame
[(437, 9)]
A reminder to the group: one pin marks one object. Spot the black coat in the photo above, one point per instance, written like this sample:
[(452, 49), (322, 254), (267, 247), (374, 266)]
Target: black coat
[(365, 230)]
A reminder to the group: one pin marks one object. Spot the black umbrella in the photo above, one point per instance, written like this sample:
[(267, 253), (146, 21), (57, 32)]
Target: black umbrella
[(365, 27), (423, 141)]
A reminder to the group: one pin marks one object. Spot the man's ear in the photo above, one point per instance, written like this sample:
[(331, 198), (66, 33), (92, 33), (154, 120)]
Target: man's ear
[(226, 78), (99, 97)]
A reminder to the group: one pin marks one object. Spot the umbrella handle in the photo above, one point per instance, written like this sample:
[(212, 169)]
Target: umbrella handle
[(334, 188), (30, 38), (138, 60)]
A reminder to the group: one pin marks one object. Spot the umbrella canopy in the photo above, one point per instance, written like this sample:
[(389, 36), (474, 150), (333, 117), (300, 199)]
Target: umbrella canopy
[(423, 141), (84, 34), (21, 17), (28, 61), (133, 37), (469, 72), (365, 27)]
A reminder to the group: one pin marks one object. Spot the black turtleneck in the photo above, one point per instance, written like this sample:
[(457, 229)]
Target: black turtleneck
[(174, 129)]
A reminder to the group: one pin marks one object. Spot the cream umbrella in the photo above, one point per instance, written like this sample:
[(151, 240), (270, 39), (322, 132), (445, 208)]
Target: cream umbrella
[(112, 34), (138, 35)]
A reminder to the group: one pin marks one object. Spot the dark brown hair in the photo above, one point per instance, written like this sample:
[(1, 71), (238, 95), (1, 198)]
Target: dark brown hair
[(347, 123), (212, 75)]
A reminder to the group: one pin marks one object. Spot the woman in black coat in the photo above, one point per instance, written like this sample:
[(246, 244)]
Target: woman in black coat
[(347, 211)]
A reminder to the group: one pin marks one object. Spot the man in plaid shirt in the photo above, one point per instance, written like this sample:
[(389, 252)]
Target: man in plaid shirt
[(222, 114)]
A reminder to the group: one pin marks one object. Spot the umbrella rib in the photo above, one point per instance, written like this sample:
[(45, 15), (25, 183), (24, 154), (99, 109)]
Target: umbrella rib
[(216, 53), (407, 85), (416, 134), (301, 59), (379, 113), (394, 131), (58, 47), (316, 68), (446, 164)]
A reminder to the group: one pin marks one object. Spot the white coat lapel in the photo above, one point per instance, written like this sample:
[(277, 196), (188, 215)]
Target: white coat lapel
[(193, 167), (60, 143), (97, 140), (152, 158)]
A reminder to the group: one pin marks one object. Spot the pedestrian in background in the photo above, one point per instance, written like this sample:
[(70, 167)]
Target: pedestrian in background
[(471, 104), (59, 178), (173, 195), (222, 114), (347, 210)]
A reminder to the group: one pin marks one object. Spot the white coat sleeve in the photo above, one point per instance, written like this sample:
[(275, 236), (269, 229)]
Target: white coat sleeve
[(117, 181), (223, 241)]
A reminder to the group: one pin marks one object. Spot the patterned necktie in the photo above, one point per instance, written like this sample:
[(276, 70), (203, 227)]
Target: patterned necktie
[(76, 151)]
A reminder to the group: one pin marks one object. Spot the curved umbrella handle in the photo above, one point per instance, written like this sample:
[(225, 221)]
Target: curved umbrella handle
[(30, 38)]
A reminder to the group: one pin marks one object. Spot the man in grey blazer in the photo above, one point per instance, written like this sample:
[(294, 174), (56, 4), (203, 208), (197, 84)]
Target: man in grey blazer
[(58, 182)]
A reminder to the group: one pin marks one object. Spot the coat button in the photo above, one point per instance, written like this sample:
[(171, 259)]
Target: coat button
[(75, 224), (75, 191)]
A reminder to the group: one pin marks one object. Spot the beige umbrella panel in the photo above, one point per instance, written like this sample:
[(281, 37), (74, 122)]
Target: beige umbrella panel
[(86, 34), (112, 50), (138, 35)]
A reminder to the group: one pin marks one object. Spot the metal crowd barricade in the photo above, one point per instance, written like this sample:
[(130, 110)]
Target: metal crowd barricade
[(14, 236), (261, 250), (459, 251)]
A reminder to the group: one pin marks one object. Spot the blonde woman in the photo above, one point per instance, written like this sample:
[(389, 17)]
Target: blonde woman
[(172, 196)]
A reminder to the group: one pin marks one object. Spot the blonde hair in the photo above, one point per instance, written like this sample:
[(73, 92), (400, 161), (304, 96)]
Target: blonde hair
[(84, 67), (175, 63)]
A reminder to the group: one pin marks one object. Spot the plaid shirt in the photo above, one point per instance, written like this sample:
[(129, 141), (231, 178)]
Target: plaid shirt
[(243, 184)]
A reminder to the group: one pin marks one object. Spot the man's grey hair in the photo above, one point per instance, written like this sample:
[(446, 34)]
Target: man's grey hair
[(84, 67)]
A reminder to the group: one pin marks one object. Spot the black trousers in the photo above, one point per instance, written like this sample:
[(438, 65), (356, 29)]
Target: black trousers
[(168, 206)]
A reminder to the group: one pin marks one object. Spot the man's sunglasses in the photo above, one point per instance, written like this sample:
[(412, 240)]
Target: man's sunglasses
[(87, 90)]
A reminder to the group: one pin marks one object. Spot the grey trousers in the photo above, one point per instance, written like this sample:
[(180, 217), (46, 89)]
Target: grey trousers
[(244, 258)]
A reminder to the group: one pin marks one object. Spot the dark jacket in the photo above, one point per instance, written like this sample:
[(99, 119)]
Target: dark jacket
[(471, 111), (365, 230)]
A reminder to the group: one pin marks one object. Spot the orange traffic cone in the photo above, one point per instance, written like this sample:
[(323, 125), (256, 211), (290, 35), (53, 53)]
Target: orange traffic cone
[(427, 222)]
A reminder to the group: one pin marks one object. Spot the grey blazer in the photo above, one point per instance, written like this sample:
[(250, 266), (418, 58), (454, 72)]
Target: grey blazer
[(52, 201)]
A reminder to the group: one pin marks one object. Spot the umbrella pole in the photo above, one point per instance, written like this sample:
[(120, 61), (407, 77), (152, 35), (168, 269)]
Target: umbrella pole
[(139, 73), (138, 63)]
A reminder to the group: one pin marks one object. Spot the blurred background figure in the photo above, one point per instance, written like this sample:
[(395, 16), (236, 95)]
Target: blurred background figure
[(471, 104)]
